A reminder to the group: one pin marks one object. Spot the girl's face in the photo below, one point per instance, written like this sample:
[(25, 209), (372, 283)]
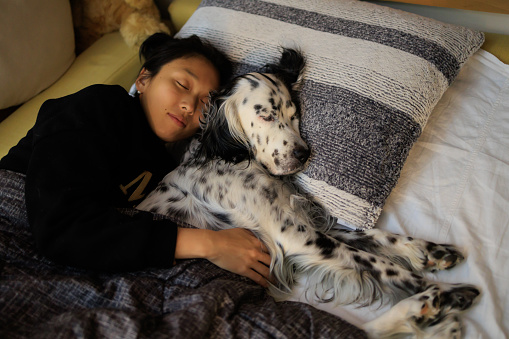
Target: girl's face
[(174, 98)]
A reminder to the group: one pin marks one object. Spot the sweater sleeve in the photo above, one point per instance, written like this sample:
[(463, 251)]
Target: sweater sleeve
[(70, 209)]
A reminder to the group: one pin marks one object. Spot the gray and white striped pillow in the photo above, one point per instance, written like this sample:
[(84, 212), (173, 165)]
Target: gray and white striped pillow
[(373, 76)]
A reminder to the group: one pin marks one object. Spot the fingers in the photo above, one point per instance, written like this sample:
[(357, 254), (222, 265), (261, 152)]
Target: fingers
[(257, 278), (260, 274), (259, 270), (240, 251)]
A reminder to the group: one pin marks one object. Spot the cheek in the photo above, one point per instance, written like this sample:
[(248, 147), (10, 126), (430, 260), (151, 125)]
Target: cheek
[(194, 123)]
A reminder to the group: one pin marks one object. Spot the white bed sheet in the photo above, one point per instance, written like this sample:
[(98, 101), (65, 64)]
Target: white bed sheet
[(454, 188)]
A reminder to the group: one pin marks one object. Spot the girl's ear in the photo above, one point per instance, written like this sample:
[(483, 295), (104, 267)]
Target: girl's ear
[(142, 80)]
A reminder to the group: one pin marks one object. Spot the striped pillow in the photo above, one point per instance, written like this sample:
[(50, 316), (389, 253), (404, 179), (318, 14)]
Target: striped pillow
[(373, 76)]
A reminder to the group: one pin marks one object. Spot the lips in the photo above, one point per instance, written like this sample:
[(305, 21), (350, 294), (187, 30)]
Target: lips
[(178, 120)]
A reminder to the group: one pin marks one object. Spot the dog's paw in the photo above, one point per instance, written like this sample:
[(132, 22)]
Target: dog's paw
[(458, 296), (446, 327), (442, 257), (425, 306), (433, 313)]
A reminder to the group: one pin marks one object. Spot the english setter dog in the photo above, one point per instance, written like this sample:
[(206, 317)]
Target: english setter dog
[(239, 175)]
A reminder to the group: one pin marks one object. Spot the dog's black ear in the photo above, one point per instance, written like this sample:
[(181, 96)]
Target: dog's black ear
[(217, 141), (289, 68)]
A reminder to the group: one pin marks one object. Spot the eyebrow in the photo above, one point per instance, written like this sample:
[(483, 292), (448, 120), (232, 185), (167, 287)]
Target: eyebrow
[(188, 71)]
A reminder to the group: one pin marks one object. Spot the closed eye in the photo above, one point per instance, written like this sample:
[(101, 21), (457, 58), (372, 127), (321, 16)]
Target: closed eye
[(184, 87)]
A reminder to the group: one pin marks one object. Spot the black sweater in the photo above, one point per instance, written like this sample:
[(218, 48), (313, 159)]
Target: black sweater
[(88, 155)]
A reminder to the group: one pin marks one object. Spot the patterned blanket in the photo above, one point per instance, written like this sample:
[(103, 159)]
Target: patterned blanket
[(195, 299)]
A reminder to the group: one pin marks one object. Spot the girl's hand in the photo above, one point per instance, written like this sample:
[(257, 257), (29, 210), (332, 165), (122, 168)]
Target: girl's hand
[(236, 250), (239, 251)]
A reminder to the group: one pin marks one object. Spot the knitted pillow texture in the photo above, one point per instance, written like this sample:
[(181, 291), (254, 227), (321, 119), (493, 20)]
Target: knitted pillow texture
[(372, 78)]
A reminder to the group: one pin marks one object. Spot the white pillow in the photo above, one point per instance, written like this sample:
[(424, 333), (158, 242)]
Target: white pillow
[(37, 47)]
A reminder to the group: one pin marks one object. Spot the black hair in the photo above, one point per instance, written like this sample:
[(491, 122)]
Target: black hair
[(161, 48)]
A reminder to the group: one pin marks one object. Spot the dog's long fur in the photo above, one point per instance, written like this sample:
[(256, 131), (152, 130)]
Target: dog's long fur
[(239, 176)]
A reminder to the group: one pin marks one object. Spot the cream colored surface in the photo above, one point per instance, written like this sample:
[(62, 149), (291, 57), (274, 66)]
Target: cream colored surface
[(498, 45), (39, 38), (181, 10), (108, 61)]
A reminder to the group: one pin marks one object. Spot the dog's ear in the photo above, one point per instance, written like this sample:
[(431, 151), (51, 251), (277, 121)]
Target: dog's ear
[(290, 67), (219, 137)]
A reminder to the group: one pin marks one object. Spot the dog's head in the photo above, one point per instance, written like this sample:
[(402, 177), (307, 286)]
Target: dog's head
[(258, 118)]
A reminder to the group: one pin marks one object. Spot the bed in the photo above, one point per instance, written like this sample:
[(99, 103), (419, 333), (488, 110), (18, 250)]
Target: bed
[(445, 178)]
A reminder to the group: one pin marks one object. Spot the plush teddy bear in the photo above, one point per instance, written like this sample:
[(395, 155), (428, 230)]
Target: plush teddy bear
[(136, 20)]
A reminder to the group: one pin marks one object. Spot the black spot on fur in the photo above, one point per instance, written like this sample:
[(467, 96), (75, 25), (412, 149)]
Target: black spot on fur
[(391, 273), (409, 286), (364, 243), (363, 262), (244, 101), (287, 223), (248, 179), (301, 228), (254, 83), (393, 240), (326, 245), (270, 194), (173, 199), (222, 217), (162, 188)]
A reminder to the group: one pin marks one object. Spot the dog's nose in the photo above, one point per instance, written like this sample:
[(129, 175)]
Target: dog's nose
[(301, 154)]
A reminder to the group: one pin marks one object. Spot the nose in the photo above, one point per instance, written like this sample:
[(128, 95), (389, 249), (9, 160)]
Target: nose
[(188, 109), (188, 105), (301, 153)]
